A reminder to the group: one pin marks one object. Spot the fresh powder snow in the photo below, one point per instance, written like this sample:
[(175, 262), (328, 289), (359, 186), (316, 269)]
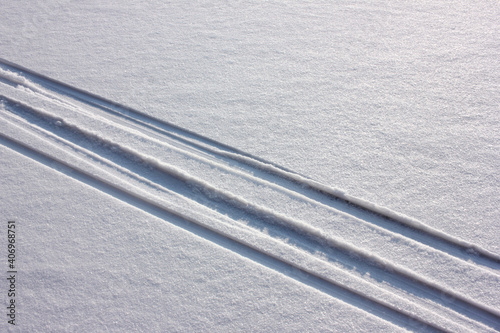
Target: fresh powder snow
[(250, 166)]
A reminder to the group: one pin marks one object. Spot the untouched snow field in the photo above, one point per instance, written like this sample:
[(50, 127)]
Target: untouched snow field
[(177, 167)]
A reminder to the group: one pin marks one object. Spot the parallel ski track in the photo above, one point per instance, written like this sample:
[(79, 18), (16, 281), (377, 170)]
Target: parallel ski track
[(331, 287), (355, 206), (308, 239)]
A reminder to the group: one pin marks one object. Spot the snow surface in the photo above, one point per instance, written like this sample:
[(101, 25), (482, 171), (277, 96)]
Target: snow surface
[(395, 103), (103, 265)]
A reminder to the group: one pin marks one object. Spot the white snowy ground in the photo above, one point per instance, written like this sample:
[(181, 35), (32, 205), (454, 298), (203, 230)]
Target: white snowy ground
[(127, 223)]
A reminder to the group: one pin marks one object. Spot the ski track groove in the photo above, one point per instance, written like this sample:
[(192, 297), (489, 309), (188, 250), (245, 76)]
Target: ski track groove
[(470, 313)]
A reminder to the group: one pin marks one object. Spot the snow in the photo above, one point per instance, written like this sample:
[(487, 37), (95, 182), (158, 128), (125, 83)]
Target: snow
[(321, 135), (82, 270)]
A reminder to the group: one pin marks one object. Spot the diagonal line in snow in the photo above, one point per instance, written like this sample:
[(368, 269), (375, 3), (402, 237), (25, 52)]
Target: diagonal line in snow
[(424, 233), (298, 227)]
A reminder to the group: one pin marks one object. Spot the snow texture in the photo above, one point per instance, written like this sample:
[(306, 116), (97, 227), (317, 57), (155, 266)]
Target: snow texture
[(252, 166)]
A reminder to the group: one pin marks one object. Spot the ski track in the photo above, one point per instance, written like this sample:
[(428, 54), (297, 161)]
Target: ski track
[(421, 278)]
